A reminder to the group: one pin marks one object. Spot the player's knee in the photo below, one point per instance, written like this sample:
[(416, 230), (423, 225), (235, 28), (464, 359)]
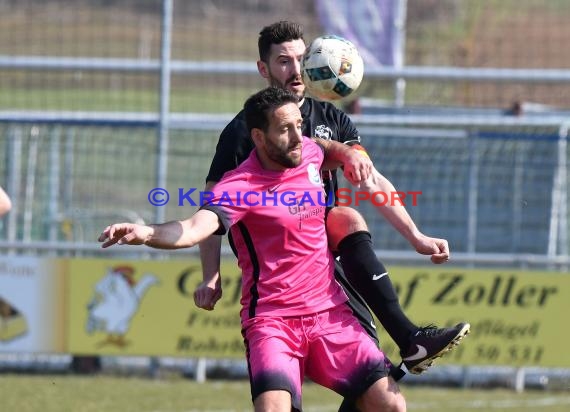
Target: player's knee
[(341, 222), (384, 395), (398, 404), (274, 401)]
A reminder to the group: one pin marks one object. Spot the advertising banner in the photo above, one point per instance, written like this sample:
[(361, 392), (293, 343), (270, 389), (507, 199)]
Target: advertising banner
[(146, 307), (515, 316), (374, 34), (32, 305), (121, 307)]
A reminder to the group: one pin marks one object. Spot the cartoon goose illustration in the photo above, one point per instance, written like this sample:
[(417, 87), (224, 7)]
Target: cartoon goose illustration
[(116, 300)]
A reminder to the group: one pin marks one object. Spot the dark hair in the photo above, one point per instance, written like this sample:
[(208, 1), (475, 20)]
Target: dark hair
[(259, 106), (277, 33)]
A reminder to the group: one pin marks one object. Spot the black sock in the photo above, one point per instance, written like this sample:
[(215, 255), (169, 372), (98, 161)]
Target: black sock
[(360, 264)]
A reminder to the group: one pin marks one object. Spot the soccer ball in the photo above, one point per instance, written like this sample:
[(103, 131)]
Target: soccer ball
[(331, 68)]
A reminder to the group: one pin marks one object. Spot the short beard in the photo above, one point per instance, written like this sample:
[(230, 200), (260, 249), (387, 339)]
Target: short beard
[(282, 158), (286, 161), (274, 82)]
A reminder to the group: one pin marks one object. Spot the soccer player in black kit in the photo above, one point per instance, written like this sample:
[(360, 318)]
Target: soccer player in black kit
[(363, 276)]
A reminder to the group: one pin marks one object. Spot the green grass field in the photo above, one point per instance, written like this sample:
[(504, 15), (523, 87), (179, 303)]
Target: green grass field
[(71, 393)]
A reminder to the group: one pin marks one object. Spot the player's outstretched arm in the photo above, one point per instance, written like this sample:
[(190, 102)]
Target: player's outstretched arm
[(397, 215), (170, 235)]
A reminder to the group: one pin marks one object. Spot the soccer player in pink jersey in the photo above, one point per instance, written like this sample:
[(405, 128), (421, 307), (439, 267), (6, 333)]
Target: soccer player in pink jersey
[(363, 276), (295, 321)]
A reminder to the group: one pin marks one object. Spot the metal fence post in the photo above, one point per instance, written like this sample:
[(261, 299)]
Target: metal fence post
[(473, 193), (163, 140), (30, 186), (558, 218), (398, 50), (14, 181), (54, 184)]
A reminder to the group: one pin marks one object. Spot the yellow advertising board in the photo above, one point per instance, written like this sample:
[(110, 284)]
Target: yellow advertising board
[(122, 307), (146, 307), (32, 304), (517, 317)]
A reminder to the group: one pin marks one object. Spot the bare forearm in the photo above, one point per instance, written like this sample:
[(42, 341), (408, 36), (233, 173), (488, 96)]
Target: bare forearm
[(170, 235), (397, 215), (209, 291), (357, 167), (210, 257), (335, 154), (393, 211), (183, 233), (210, 250)]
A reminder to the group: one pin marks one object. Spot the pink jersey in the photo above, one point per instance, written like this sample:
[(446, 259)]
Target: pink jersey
[(277, 225)]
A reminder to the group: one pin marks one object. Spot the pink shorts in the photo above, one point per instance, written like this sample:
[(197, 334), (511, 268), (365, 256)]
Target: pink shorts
[(331, 348)]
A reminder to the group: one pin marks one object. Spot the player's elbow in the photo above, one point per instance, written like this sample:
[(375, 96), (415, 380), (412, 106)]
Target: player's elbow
[(194, 231), (5, 206)]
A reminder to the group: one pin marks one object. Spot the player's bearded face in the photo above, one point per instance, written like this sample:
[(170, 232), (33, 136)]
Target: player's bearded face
[(284, 67), (287, 154), (294, 84), (283, 140)]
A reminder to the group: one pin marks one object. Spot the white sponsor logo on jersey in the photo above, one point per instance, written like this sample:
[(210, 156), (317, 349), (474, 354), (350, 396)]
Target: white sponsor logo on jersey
[(324, 132), (314, 175)]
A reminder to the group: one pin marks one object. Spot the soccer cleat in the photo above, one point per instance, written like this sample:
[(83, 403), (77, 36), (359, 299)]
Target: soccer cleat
[(430, 343)]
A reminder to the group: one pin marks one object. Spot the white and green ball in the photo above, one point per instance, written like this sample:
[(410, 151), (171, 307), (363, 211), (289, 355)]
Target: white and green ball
[(331, 68)]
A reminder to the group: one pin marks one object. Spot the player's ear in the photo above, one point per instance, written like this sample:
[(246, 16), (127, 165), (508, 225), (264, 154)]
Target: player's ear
[(263, 69), (257, 136)]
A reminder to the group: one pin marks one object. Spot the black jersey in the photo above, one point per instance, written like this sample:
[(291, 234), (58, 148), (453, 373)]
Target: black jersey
[(320, 119)]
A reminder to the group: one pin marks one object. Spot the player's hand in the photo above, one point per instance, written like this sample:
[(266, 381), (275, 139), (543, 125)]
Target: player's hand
[(437, 248), (357, 167), (208, 293), (125, 234)]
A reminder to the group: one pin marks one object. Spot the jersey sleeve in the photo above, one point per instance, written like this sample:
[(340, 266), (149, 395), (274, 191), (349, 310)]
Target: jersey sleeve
[(225, 200), (234, 146), (347, 130)]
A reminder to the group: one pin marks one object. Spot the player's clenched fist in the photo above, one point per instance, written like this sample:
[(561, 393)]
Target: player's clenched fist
[(357, 166), (125, 234), (208, 293)]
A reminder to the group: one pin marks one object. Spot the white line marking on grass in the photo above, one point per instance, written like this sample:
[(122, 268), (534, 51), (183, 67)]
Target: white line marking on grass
[(203, 410), (487, 405), (322, 408), (515, 404)]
